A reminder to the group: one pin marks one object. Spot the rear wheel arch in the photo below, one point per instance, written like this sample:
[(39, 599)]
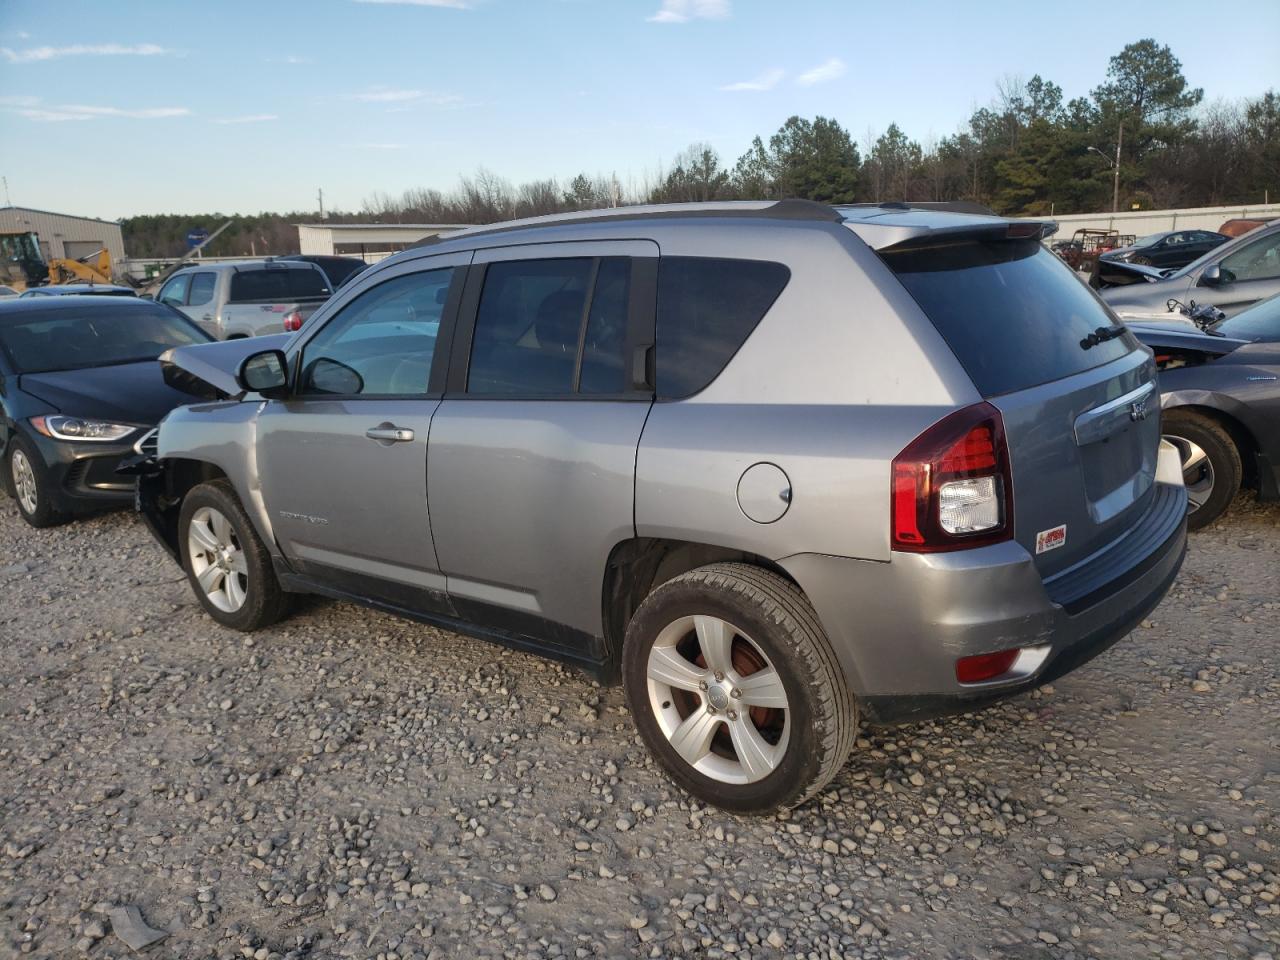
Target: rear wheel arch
[(636, 567)]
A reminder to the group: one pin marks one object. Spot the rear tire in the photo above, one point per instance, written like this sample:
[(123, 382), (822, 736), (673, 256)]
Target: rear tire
[(1211, 467), (750, 746), (227, 564)]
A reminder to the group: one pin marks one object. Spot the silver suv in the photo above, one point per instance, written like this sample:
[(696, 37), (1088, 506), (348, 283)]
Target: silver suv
[(775, 467)]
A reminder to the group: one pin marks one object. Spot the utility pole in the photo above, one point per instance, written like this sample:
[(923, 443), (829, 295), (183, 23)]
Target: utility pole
[(320, 197), (7, 201), (1115, 189)]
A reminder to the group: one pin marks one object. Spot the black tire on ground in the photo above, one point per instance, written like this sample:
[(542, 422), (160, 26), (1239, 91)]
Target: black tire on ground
[(44, 514), (264, 600), (1184, 428), (775, 614)]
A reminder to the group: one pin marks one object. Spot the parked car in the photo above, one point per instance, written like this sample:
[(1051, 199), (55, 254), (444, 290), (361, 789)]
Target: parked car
[(338, 269), (248, 298), (78, 385), (7, 293), (1171, 248), (775, 467), (1220, 396), (1232, 276), (80, 289)]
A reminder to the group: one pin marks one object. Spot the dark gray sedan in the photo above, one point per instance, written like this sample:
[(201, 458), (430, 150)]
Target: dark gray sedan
[(1231, 277), (1220, 396)]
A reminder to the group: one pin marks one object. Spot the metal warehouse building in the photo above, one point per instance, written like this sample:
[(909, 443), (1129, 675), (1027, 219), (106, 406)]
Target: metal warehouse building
[(63, 235), (370, 241)]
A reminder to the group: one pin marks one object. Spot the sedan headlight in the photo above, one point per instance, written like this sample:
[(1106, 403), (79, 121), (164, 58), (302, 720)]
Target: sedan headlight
[(78, 428)]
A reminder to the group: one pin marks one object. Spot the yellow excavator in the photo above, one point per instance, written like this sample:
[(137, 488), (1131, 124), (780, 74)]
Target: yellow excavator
[(22, 266)]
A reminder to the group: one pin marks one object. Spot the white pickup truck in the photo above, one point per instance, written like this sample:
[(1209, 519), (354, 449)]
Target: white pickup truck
[(247, 298)]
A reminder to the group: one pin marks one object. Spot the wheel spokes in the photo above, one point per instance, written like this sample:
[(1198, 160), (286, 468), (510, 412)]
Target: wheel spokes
[(209, 578), (203, 535), (715, 637), (667, 666), (235, 591), (757, 756), (692, 739), (221, 529), (763, 689)]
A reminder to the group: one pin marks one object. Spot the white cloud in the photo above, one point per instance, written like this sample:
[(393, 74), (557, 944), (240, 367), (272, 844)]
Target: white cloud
[(14, 100), (250, 118), (36, 54), (391, 95), (451, 4), (291, 59), (381, 146), (682, 11), (833, 69), (54, 114), (765, 81)]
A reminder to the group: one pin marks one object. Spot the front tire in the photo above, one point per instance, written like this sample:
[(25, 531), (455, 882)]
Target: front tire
[(227, 564), (29, 481), (736, 689), (1211, 468)]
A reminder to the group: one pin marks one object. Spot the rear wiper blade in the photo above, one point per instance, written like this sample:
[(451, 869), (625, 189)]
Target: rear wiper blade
[(1102, 335)]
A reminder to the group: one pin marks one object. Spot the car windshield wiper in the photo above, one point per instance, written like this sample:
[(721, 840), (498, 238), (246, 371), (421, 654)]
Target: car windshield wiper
[(1102, 335)]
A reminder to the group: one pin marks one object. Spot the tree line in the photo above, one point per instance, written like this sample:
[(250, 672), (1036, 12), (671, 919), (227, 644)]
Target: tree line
[(1028, 152)]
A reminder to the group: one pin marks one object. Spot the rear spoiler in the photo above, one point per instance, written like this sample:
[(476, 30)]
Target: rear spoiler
[(209, 370), (891, 234)]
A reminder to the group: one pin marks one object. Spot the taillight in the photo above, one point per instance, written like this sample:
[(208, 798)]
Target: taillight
[(293, 321), (952, 486)]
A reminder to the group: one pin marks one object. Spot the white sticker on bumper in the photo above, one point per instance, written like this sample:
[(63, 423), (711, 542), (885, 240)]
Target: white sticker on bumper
[(1051, 539)]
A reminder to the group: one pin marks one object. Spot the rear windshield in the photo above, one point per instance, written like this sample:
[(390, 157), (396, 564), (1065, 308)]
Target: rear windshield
[(280, 283), (1011, 311)]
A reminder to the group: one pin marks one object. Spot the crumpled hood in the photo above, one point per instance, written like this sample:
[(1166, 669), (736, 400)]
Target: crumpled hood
[(122, 393), (208, 370)]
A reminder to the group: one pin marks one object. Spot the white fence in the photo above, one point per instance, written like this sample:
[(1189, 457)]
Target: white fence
[(1142, 222)]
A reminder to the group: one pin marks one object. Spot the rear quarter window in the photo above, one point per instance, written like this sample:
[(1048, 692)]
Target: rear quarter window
[(1012, 313), (256, 286), (706, 310)]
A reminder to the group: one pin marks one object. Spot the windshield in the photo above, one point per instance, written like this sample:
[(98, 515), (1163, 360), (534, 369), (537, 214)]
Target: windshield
[(112, 331), (1259, 322)]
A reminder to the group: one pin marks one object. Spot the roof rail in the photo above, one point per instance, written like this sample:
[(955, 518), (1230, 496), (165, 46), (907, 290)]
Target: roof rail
[(793, 209)]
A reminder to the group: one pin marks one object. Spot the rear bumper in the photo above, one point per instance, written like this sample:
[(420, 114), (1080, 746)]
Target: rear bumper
[(899, 627)]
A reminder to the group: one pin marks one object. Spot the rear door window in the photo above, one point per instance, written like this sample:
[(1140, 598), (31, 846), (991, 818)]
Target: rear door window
[(1010, 311), (706, 310), (555, 327)]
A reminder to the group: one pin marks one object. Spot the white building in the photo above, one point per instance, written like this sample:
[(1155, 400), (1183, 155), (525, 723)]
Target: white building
[(64, 235), (369, 241)]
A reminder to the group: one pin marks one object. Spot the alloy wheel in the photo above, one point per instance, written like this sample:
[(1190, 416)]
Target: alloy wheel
[(718, 700), (217, 560), (1197, 471), (24, 481)]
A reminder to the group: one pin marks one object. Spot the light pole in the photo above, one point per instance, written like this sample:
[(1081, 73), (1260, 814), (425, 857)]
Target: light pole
[(1115, 165)]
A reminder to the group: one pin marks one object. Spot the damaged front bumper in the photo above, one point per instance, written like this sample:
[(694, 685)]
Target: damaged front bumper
[(152, 496)]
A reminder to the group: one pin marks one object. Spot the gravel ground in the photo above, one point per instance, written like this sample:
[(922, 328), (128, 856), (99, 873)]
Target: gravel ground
[(351, 785)]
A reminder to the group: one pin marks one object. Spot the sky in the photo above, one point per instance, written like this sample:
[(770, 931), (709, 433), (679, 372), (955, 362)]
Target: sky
[(173, 106)]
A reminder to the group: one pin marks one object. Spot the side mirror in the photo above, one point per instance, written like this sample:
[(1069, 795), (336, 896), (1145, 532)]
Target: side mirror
[(265, 373), (326, 375), (1212, 276)]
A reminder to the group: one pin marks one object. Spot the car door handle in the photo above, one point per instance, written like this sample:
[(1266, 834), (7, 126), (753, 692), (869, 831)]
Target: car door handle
[(389, 433)]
